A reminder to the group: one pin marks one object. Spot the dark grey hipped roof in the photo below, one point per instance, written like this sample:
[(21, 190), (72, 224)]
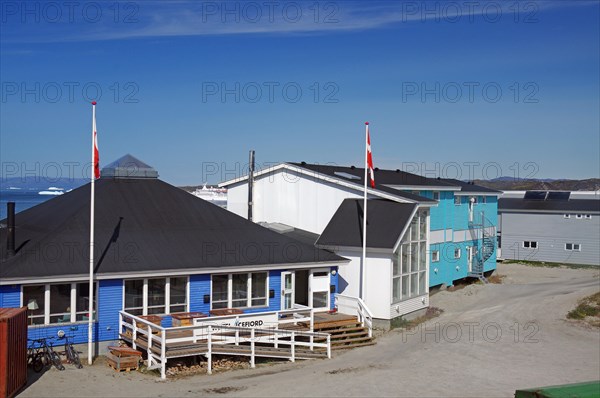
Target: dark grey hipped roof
[(128, 166), (386, 220), (142, 225), (572, 205)]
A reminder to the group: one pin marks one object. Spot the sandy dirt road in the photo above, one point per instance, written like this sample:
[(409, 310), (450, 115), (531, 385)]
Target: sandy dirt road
[(489, 341)]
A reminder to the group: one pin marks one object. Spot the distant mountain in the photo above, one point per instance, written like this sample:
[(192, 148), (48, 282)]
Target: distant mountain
[(514, 184)]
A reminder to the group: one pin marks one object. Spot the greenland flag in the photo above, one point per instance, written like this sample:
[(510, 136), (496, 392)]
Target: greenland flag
[(370, 158), (96, 155)]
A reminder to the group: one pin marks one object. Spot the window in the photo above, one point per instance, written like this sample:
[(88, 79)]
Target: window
[(473, 199), (435, 256), (484, 199), (57, 303), (579, 216), (573, 247), (239, 290), (155, 295), (567, 216), (457, 200), (409, 265), (436, 195), (530, 244), (588, 216), (457, 252)]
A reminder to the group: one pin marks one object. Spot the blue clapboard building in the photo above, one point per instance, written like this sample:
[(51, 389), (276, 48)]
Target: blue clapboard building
[(158, 250)]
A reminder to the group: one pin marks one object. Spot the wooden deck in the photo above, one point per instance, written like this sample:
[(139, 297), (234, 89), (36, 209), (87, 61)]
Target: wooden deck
[(324, 320)]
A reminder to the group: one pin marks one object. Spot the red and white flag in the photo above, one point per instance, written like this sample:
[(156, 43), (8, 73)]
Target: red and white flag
[(370, 158), (96, 155)]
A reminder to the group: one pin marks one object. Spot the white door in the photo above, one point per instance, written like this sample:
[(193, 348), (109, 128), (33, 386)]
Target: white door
[(470, 258), (287, 290), (319, 289)]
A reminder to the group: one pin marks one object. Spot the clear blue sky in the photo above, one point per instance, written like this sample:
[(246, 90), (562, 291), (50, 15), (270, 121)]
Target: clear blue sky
[(162, 66)]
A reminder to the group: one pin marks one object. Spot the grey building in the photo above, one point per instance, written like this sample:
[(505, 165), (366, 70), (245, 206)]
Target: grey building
[(550, 227)]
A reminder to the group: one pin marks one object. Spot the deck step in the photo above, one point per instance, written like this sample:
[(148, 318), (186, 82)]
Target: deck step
[(344, 336), (351, 341), (336, 325)]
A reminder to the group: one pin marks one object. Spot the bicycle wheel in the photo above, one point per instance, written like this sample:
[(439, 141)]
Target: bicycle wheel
[(37, 362), (56, 361), (74, 356)]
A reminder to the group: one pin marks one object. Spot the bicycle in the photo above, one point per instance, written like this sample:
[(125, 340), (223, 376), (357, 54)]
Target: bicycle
[(34, 356), (70, 351), (49, 356)]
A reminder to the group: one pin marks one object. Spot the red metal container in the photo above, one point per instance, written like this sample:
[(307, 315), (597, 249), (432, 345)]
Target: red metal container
[(13, 350)]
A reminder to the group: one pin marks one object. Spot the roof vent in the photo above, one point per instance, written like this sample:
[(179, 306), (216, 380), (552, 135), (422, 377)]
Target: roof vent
[(128, 166), (303, 163), (397, 170), (352, 167), (376, 168)]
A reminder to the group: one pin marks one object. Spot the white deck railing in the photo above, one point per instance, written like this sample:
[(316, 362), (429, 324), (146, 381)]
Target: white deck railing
[(213, 332), (355, 306)]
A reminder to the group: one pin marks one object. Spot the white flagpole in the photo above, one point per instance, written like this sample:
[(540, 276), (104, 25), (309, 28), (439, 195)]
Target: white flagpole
[(92, 194), (364, 248)]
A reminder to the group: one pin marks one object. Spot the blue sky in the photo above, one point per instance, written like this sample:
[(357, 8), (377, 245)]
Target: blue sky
[(453, 88)]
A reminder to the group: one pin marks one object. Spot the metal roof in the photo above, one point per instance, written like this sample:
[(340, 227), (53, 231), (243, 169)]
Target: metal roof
[(573, 205), (143, 225), (386, 220)]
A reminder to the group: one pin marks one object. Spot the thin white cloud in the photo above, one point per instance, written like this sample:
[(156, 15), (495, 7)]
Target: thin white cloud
[(183, 18)]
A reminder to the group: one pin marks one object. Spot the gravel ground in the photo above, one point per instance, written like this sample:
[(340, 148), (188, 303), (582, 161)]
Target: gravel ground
[(490, 341)]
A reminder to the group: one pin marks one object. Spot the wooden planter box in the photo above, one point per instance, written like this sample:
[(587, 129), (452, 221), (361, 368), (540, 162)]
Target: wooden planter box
[(226, 311), (186, 318), (155, 319), (123, 363)]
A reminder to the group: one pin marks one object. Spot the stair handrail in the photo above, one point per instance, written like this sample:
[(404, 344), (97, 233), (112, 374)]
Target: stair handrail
[(365, 316)]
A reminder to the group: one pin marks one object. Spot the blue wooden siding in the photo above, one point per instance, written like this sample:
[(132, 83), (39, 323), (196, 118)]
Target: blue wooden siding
[(10, 296), (333, 280), (199, 286), (110, 302)]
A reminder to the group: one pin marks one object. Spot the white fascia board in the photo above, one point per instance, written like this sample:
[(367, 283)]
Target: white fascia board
[(355, 249), (423, 187), (256, 174), (169, 272), (478, 194), (405, 229)]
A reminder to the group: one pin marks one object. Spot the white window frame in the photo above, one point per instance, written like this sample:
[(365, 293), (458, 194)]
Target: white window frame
[(484, 199), (530, 244), (167, 294), (248, 287), (436, 193), (435, 256), (575, 247), (47, 302), (457, 200), (588, 216), (407, 240), (567, 216), (459, 251), (579, 216)]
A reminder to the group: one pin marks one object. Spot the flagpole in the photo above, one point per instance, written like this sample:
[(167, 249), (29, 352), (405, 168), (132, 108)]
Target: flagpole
[(92, 195), (364, 248)]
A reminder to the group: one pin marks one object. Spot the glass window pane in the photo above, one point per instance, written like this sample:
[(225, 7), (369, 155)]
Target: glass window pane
[(60, 303), (422, 280), (396, 289), (259, 285), (82, 301), (405, 258), (156, 296), (414, 228), (320, 299), (413, 285), (422, 256), (395, 265), (422, 226), (288, 281), (414, 253), (33, 299), (240, 286), (177, 293), (134, 294), (221, 304), (219, 289), (404, 287)]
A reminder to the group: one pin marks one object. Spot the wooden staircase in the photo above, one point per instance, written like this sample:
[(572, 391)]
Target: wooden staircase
[(345, 334)]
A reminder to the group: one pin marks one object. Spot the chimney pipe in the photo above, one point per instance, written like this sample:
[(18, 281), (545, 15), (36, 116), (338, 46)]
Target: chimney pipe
[(10, 236), (250, 184)]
